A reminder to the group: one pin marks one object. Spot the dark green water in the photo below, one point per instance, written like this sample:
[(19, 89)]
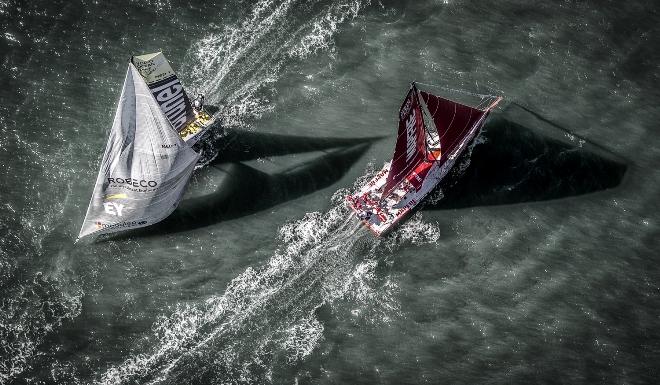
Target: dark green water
[(535, 262)]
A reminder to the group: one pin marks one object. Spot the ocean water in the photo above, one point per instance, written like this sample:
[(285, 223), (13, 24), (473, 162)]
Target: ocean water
[(535, 261)]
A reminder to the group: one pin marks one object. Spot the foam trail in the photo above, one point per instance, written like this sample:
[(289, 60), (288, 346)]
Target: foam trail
[(236, 65), (261, 310)]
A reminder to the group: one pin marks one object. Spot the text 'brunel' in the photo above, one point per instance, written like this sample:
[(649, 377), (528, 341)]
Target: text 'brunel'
[(171, 98)]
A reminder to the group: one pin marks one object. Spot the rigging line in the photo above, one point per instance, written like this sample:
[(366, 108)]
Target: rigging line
[(482, 103), (427, 113), (437, 105), (451, 146), (456, 90)]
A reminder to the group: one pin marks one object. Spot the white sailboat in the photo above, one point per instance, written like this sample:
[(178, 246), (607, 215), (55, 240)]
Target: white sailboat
[(149, 156)]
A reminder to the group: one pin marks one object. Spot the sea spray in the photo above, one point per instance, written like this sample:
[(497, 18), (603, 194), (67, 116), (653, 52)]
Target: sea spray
[(255, 312)]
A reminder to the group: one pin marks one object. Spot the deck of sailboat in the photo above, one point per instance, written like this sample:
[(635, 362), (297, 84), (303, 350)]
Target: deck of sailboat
[(194, 130), (386, 213)]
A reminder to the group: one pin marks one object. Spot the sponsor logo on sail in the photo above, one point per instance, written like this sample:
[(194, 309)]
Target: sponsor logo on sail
[(106, 226), (405, 109), (133, 182), (113, 208), (172, 100), (411, 136)]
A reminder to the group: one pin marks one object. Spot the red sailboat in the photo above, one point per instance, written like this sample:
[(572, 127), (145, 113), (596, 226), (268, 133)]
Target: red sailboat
[(423, 156)]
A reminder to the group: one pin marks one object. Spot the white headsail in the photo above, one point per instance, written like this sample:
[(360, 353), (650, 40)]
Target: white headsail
[(145, 168)]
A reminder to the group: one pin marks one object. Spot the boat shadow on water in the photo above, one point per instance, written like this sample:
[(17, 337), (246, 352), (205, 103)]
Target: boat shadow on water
[(243, 190), (522, 157)]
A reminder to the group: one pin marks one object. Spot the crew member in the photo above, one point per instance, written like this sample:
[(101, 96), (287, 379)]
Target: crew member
[(365, 215), (198, 103)]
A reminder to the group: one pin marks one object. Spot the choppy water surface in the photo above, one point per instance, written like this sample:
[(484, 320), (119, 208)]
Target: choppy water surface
[(535, 261)]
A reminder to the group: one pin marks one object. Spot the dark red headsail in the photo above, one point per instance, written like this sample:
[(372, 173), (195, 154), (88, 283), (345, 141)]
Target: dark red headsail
[(410, 149), (452, 120)]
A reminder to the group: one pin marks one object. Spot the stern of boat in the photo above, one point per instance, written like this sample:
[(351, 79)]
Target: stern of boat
[(381, 215)]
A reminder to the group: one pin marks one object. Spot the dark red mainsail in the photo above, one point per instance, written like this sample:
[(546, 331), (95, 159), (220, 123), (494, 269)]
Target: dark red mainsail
[(410, 149), (453, 121)]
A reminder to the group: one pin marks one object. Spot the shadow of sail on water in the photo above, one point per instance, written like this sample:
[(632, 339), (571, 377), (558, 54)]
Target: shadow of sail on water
[(146, 164)]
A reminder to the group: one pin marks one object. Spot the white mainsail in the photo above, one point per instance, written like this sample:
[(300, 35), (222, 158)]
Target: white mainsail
[(145, 168)]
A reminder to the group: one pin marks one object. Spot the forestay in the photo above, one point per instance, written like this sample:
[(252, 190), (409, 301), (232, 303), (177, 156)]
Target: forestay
[(145, 168)]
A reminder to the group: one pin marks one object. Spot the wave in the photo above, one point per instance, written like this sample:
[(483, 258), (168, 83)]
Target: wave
[(32, 304)]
